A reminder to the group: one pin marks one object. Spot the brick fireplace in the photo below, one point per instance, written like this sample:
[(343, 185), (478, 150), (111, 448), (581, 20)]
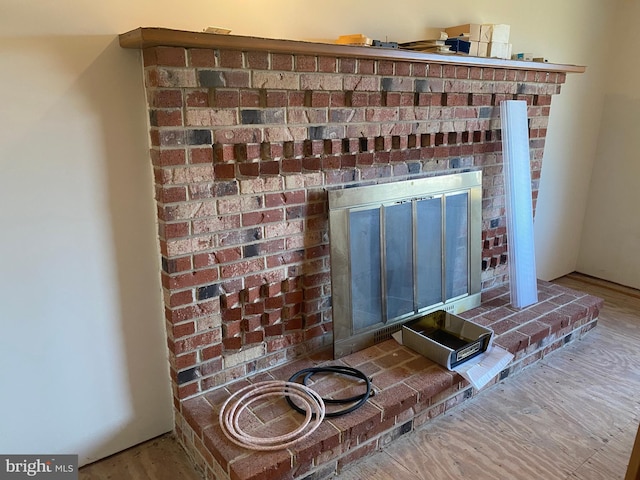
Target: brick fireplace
[(247, 135)]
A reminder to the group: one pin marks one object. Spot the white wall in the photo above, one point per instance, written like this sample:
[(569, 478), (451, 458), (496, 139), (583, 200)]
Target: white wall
[(610, 246), (83, 352), (84, 367)]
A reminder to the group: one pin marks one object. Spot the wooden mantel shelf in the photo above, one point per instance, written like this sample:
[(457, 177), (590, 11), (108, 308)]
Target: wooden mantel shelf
[(146, 37)]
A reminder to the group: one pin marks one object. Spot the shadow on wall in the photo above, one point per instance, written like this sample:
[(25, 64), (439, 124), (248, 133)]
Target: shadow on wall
[(82, 285), (114, 83), (610, 247)]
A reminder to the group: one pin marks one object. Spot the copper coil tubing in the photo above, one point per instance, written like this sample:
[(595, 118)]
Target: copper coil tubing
[(234, 406)]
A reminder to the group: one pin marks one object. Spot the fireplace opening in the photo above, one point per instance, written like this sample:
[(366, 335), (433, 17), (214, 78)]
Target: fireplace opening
[(401, 250)]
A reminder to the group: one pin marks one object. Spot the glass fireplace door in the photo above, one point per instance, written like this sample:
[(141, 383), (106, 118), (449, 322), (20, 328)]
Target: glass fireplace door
[(402, 250)]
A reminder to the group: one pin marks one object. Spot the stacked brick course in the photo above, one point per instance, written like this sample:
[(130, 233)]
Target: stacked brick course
[(244, 145)]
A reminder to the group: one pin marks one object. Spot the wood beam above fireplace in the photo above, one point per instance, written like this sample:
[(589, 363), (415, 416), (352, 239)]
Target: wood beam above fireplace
[(146, 37)]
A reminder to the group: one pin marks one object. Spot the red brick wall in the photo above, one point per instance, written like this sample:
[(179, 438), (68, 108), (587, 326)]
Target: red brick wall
[(243, 146)]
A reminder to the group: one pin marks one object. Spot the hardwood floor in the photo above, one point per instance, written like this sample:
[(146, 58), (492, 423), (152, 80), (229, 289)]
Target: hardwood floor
[(572, 416)]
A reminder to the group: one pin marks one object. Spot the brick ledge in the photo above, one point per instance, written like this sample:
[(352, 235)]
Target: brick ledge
[(410, 391)]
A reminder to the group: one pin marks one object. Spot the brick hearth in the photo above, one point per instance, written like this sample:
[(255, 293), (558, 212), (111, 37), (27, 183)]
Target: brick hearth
[(410, 391)]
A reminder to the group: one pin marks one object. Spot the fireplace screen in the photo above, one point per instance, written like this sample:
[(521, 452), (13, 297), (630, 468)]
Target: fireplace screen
[(401, 250)]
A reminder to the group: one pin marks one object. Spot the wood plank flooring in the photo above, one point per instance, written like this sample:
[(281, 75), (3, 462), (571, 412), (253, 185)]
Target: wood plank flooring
[(572, 416), (161, 458)]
